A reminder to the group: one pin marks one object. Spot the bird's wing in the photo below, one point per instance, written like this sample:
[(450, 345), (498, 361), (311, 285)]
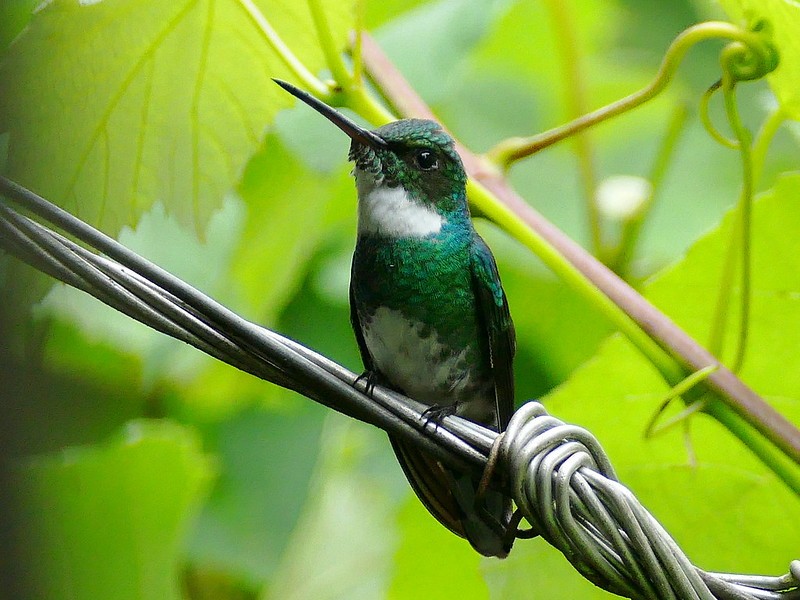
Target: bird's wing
[(366, 359), (495, 320)]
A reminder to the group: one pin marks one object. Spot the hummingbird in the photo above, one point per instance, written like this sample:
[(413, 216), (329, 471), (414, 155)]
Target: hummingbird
[(427, 306)]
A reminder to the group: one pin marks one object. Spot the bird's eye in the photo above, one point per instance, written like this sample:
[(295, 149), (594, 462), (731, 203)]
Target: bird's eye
[(426, 160)]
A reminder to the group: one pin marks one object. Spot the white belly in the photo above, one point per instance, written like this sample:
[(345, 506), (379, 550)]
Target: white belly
[(420, 366)]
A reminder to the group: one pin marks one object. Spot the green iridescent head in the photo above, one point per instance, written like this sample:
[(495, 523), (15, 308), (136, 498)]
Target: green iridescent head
[(416, 154), (419, 155)]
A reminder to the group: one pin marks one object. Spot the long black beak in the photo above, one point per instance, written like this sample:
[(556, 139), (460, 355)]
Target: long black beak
[(359, 134)]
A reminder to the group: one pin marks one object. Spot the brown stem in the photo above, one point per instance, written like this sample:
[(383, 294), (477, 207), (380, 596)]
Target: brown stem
[(743, 400)]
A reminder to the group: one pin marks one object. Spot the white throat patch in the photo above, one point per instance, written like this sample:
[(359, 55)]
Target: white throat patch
[(390, 212)]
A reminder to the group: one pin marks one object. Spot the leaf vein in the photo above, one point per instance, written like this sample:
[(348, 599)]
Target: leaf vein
[(123, 88), (140, 138), (195, 111)]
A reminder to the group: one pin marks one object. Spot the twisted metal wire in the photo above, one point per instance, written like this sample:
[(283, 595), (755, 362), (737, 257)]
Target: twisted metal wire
[(557, 474), (565, 485)]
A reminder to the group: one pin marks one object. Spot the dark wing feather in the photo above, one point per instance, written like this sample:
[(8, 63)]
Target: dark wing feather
[(496, 322), (366, 359), (431, 483)]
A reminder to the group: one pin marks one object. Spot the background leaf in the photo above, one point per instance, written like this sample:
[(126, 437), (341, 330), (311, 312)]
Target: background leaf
[(149, 100), (728, 496), (266, 459), (107, 522)]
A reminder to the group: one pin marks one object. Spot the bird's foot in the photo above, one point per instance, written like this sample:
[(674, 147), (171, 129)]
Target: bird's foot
[(371, 379), (434, 414)]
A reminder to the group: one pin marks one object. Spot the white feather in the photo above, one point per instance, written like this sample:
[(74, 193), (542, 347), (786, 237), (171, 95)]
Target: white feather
[(412, 362), (389, 211)]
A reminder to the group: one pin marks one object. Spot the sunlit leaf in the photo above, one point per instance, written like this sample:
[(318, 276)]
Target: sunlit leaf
[(114, 105)]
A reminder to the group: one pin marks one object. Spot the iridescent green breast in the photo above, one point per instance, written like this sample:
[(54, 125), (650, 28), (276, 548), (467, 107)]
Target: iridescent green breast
[(426, 279), (418, 315)]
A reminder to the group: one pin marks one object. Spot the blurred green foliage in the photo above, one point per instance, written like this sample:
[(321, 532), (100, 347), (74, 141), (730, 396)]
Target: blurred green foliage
[(223, 487)]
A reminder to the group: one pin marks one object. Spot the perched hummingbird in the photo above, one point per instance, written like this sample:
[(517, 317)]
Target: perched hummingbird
[(427, 306)]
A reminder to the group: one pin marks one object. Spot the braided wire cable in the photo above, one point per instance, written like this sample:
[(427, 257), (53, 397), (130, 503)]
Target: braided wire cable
[(557, 474), (567, 489)]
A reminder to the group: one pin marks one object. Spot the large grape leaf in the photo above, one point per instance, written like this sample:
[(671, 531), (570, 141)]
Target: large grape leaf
[(114, 105), (784, 20), (107, 521), (728, 511)]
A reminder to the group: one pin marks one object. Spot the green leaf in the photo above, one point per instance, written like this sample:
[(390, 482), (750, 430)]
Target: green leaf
[(783, 17), (79, 393), (775, 305), (377, 13), (431, 558), (14, 16), (114, 105), (535, 570), (729, 500), (108, 521), (517, 86), (445, 31), (291, 212), (289, 209), (557, 331), (161, 239), (266, 459), (343, 544)]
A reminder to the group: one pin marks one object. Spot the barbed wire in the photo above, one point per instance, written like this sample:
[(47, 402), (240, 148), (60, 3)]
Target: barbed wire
[(557, 474)]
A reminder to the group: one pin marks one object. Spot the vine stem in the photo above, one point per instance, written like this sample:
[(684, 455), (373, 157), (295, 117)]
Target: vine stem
[(745, 218), (511, 150), (708, 124), (295, 65), (674, 351), (575, 92), (763, 140), (358, 65), (684, 388), (752, 157), (333, 56), (716, 336)]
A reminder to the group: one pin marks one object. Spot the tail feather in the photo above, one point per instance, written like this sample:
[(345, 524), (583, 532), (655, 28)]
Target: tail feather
[(450, 497)]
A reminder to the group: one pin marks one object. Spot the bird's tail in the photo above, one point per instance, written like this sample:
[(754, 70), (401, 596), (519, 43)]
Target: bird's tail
[(450, 497)]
